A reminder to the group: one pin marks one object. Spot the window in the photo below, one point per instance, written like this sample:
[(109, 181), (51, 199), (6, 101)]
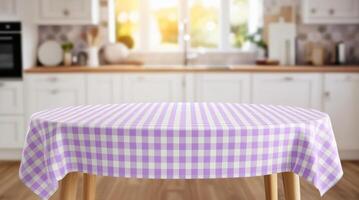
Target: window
[(156, 25), (163, 24), (239, 12), (204, 23), (127, 22)]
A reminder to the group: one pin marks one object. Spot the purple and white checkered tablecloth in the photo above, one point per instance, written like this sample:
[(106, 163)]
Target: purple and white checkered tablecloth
[(179, 141)]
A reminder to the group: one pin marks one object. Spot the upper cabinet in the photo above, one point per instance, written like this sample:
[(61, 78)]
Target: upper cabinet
[(330, 11), (68, 12), (9, 10)]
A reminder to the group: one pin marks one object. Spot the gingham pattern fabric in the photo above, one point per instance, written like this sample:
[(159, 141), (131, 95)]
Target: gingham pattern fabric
[(179, 141)]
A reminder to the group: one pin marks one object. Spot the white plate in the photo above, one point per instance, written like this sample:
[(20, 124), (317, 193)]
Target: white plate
[(50, 53)]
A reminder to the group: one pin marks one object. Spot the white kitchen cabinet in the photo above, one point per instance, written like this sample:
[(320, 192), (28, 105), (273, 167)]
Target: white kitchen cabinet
[(303, 90), (221, 87), (341, 103), (68, 12), (12, 132), (9, 10), (11, 97), (45, 91), (104, 88), (146, 87), (330, 11)]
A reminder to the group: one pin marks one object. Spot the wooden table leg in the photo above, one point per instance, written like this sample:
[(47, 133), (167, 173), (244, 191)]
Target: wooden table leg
[(291, 186), (271, 187), (69, 186), (89, 190)]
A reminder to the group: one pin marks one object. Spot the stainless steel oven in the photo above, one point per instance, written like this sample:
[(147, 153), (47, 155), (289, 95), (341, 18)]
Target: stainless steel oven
[(10, 50)]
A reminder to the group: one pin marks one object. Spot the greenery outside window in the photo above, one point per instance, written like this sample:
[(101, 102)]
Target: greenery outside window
[(170, 25)]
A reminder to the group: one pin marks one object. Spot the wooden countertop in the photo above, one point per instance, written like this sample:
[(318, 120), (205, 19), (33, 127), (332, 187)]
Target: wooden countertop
[(149, 69)]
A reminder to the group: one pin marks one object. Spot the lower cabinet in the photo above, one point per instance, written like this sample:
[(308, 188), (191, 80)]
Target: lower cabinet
[(335, 93), (303, 90), (341, 98), (134, 87), (104, 88), (50, 91), (11, 97), (162, 87), (11, 114), (220, 87), (12, 132)]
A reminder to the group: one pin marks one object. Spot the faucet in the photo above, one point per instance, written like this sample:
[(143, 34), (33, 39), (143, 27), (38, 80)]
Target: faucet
[(186, 39)]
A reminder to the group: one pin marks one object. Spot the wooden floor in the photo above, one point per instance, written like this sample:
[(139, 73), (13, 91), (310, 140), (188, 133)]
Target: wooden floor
[(226, 189)]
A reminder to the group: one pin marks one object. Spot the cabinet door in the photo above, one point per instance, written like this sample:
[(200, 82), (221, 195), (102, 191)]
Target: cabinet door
[(231, 88), (12, 132), (343, 8), (68, 11), (164, 87), (78, 9), (9, 10), (341, 103), (50, 91), (11, 97), (331, 11), (303, 90), (104, 89), (316, 8), (52, 9)]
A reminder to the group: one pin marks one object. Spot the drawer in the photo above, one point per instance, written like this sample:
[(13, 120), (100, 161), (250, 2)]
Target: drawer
[(60, 80), (11, 97), (47, 91), (12, 132)]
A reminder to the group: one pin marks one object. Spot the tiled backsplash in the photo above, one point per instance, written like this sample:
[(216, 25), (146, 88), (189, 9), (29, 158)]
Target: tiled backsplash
[(75, 34), (326, 35)]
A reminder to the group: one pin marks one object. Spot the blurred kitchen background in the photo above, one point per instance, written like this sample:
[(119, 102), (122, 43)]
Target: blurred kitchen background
[(164, 21)]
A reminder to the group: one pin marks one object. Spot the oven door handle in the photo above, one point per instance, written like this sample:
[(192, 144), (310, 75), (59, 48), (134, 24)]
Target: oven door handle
[(6, 38)]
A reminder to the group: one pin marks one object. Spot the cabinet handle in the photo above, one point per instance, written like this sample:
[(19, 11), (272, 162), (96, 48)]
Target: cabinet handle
[(327, 94), (54, 91), (66, 12), (332, 11), (313, 10), (288, 78)]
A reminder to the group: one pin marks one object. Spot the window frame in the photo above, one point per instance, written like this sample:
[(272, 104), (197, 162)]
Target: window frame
[(255, 21)]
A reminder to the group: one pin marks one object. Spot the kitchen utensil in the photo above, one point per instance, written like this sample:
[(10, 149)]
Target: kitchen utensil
[(93, 37), (93, 58), (82, 58), (267, 62), (115, 53), (282, 42), (287, 13), (317, 55), (340, 53), (50, 53)]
